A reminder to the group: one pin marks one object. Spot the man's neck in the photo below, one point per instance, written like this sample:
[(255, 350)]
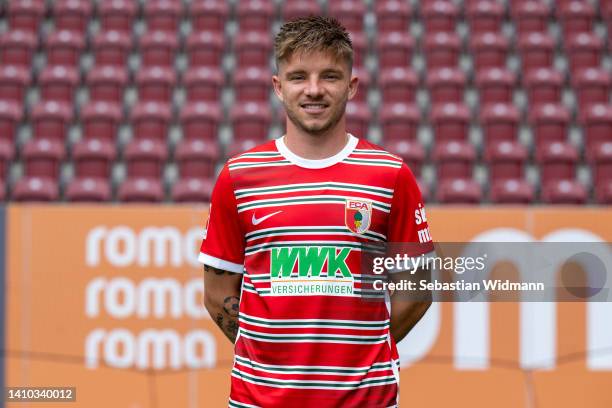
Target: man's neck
[(315, 147)]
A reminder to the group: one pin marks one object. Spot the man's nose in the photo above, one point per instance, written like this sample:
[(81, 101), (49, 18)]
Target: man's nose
[(313, 87)]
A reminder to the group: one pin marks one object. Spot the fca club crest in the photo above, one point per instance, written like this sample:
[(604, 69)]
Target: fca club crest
[(357, 215)]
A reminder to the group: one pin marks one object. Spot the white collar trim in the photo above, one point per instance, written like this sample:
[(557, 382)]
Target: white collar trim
[(316, 163)]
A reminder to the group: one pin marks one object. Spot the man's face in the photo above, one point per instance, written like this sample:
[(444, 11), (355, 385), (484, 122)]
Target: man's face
[(314, 88)]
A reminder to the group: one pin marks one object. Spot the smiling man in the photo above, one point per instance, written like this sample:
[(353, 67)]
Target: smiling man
[(287, 224)]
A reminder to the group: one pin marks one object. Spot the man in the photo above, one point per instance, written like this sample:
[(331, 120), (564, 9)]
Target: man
[(282, 252)]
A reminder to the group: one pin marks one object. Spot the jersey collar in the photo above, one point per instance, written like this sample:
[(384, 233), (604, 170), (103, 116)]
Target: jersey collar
[(318, 163)]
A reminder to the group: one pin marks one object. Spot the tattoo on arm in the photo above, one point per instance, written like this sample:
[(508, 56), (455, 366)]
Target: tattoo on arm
[(228, 320), (208, 268)]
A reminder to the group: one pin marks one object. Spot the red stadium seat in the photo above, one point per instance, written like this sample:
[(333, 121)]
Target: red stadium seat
[(506, 160), (450, 122), (189, 190), (360, 48), (11, 114), (495, 85), (250, 120), (101, 120), (537, 51), (72, 15), (549, 124), (364, 84), (255, 15), (489, 50), (544, 85), (454, 159), (500, 122), (485, 16), (439, 16), (557, 162), (584, 50), (531, 16), (88, 190), (395, 49), (603, 193), (358, 118), (151, 120), (107, 83), (209, 15), (155, 84), (200, 121), (564, 192), (442, 50), (446, 85), (459, 191), (14, 81), (576, 17), (253, 48), (64, 47), (205, 49), (145, 158), (117, 15), (606, 14), (158, 48), (7, 152), (252, 84), (17, 48), (141, 190), (398, 85), (35, 189), (392, 15), (93, 158), (112, 48), (58, 83), (512, 191), (399, 122), (601, 158), (203, 84), (25, 15), (163, 15), (197, 159), (597, 120), (349, 13), (411, 151), (592, 86), (294, 9), (42, 158), (51, 120)]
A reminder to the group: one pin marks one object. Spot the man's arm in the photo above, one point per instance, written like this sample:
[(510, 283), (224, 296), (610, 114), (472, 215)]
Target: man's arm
[(407, 308), (221, 299)]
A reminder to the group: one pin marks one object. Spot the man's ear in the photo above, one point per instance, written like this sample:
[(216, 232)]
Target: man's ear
[(276, 84), (353, 85)]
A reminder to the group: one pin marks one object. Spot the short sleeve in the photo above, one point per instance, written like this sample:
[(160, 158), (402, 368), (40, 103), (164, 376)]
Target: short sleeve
[(223, 244)]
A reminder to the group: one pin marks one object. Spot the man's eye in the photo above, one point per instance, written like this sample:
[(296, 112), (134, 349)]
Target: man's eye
[(297, 77), (331, 76)]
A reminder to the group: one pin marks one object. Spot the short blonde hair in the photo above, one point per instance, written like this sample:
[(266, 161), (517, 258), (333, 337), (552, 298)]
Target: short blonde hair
[(314, 33)]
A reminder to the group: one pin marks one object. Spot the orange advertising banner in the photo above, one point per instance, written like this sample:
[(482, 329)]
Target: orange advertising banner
[(109, 300)]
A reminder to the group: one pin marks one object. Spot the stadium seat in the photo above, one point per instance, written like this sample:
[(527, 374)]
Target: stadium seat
[(14, 81), (453, 159), (597, 122), (191, 190), (196, 158), (250, 120), (506, 160), (489, 50), (398, 85), (145, 158), (549, 123), (93, 158), (25, 15), (459, 191), (564, 192), (200, 121), (88, 190), (450, 121), (112, 48), (394, 49), (64, 48), (603, 193), (203, 84), (392, 15), (158, 48), (499, 122), (358, 117), (35, 189), (17, 48), (512, 191), (141, 190), (606, 14), (536, 50), (576, 17), (411, 151), (485, 16), (252, 84), (205, 49), (399, 121), (601, 159), (151, 120), (495, 85), (360, 48), (7, 153), (101, 120), (253, 48), (364, 84), (117, 15), (442, 50), (155, 84), (349, 13), (446, 85), (58, 83), (592, 86), (294, 9), (51, 119), (42, 158), (11, 114), (584, 50), (530, 16), (72, 15), (163, 15), (255, 15), (557, 161), (107, 84), (209, 15), (439, 16), (543, 85)]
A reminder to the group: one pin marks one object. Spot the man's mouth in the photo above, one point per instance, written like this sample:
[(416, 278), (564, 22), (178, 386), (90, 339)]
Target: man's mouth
[(314, 108)]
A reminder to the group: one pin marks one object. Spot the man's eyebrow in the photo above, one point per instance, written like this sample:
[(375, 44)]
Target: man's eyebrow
[(325, 71)]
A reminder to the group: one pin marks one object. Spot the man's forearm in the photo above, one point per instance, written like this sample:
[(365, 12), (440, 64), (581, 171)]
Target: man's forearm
[(223, 307)]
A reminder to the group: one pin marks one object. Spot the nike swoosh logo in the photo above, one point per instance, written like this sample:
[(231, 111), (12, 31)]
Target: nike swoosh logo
[(257, 221)]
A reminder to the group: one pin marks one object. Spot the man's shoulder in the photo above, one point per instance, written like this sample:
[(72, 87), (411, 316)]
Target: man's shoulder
[(366, 147)]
